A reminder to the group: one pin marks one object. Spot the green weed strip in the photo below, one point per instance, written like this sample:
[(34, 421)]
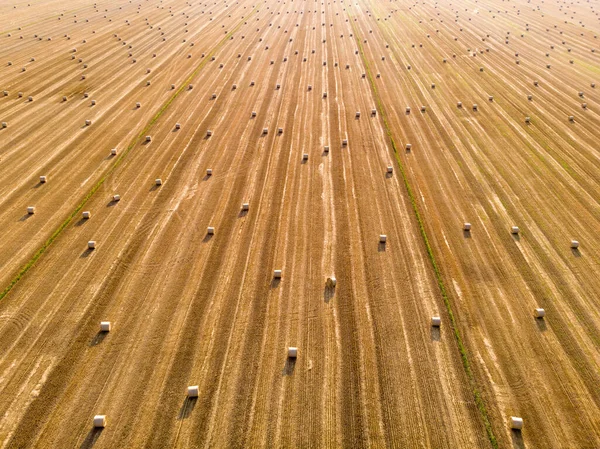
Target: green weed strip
[(461, 347), (117, 163)]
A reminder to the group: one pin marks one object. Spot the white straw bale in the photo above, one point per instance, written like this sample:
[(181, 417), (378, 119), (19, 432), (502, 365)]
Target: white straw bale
[(100, 421), (516, 423)]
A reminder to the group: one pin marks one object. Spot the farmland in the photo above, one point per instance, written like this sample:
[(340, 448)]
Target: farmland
[(334, 124)]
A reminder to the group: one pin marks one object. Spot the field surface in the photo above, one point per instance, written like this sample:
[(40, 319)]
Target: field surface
[(335, 122)]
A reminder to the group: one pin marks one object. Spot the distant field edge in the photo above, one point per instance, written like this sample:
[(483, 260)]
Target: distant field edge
[(438, 275), (45, 246)]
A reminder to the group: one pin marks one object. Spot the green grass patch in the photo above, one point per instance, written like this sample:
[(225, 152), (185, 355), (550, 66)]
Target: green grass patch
[(591, 67)]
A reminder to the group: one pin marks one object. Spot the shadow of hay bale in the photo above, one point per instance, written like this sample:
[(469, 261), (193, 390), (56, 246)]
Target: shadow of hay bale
[(290, 365), (186, 408)]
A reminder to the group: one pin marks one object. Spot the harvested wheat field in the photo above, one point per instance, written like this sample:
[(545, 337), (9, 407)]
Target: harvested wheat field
[(299, 224)]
